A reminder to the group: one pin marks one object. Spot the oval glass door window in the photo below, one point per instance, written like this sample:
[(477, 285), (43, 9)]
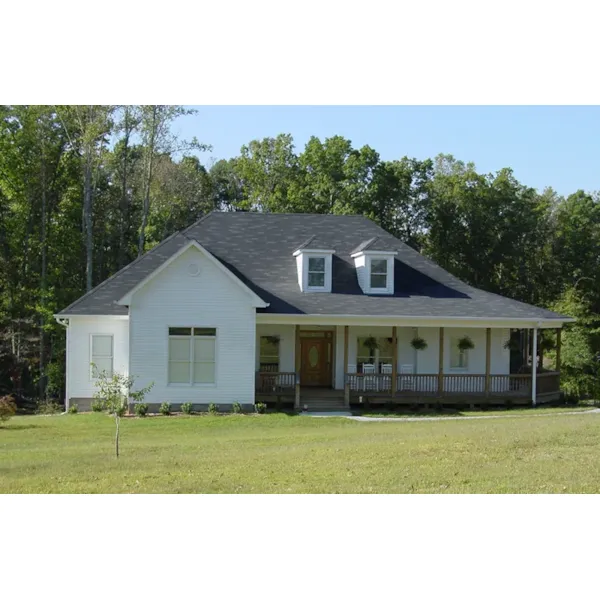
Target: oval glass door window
[(313, 356)]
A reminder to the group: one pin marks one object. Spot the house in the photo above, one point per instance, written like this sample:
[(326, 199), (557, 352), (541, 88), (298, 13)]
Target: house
[(317, 310)]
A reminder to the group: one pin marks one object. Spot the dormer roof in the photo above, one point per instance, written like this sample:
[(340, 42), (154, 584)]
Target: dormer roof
[(372, 244), (316, 244)]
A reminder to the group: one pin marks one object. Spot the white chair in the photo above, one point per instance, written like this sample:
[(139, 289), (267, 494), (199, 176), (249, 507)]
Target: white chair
[(407, 383)]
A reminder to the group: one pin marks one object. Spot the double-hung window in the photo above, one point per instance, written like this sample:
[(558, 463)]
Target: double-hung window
[(316, 271), (192, 355), (101, 355), (378, 273)]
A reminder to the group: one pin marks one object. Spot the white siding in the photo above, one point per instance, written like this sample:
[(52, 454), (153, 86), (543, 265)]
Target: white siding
[(79, 381), (361, 272), (174, 298)]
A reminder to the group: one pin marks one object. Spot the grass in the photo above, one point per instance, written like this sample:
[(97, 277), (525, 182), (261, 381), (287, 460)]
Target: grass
[(512, 412), (288, 454)]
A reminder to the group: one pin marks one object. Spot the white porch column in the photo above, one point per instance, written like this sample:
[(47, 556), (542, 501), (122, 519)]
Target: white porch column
[(534, 368)]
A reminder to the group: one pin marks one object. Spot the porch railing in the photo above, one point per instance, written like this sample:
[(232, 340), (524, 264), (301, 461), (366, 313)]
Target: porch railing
[(453, 384), (275, 383)]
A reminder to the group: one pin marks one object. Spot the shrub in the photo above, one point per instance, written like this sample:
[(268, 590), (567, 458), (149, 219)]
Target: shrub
[(165, 409), (46, 407), (7, 408), (213, 408), (186, 408), (141, 409), (97, 405), (260, 408), (73, 409), (236, 408)]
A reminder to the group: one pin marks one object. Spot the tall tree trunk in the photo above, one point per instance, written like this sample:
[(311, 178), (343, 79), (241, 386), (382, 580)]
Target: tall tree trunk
[(43, 276), (148, 179), (124, 197), (87, 219)]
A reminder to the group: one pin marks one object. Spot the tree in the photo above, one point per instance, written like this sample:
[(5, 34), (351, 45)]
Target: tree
[(159, 139), (270, 175), (580, 352), (88, 128), (114, 392)]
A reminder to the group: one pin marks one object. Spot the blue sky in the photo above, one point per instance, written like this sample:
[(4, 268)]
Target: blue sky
[(544, 145)]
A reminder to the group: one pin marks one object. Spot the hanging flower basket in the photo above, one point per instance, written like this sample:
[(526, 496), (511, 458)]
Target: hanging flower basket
[(371, 344), (465, 343), (418, 343), (546, 344)]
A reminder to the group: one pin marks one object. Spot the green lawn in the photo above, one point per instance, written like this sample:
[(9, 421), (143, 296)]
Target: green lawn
[(279, 453)]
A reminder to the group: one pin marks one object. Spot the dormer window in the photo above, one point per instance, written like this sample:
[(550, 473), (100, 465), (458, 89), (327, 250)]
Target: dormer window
[(379, 273), (314, 264), (374, 263), (316, 271)]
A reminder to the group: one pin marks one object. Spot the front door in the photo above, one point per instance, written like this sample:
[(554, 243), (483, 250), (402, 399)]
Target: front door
[(315, 362)]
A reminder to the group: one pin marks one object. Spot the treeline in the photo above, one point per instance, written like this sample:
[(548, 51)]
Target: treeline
[(86, 189)]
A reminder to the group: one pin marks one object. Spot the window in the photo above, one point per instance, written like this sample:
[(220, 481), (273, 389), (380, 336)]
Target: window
[(102, 355), (269, 354), (192, 354), (374, 351), (378, 273), (316, 271), (459, 359)]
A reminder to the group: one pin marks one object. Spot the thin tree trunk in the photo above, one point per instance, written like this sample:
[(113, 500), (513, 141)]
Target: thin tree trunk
[(117, 437), (124, 197), (87, 218), (148, 180), (43, 274)]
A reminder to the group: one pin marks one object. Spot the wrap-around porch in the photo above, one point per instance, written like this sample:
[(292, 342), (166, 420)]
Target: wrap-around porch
[(344, 363)]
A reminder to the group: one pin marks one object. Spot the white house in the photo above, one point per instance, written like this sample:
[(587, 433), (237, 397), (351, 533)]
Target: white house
[(317, 309)]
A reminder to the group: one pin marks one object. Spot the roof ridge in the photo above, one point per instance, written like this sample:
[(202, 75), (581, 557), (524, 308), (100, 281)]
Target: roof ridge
[(121, 270)]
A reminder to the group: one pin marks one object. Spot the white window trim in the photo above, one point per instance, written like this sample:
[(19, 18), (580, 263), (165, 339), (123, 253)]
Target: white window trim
[(387, 274), (91, 354), (191, 338), (317, 288)]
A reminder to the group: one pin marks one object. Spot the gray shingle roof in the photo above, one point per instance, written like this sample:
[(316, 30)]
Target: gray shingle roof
[(258, 248)]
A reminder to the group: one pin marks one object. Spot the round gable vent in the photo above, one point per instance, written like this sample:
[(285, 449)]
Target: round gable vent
[(193, 269)]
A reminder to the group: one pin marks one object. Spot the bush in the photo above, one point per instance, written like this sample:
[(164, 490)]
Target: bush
[(141, 409), (45, 407), (165, 409), (236, 408), (260, 408), (73, 409), (186, 408), (7, 408), (213, 408), (97, 405)]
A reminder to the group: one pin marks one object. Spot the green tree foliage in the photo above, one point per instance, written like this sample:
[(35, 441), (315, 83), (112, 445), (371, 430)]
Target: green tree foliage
[(85, 189)]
